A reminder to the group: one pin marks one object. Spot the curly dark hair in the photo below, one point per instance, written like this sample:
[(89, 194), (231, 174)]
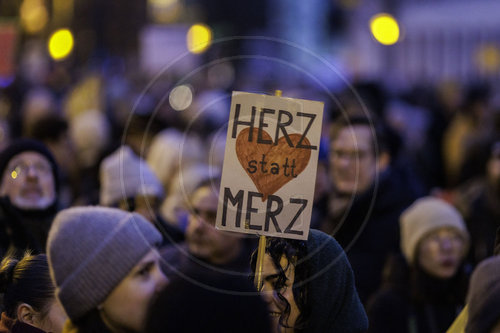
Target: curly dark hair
[(294, 251)]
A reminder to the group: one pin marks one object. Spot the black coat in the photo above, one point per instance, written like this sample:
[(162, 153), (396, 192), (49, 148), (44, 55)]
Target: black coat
[(369, 232), (21, 229), (411, 301), (482, 222)]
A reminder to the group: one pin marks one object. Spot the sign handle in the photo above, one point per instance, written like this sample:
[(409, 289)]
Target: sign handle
[(261, 250), (458, 326)]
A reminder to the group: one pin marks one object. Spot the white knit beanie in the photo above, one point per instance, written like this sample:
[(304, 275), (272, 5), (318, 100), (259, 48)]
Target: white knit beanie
[(91, 250), (423, 216), (124, 175)]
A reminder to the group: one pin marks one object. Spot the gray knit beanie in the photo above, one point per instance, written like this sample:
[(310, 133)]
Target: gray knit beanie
[(124, 175), (484, 296), (425, 215), (91, 249)]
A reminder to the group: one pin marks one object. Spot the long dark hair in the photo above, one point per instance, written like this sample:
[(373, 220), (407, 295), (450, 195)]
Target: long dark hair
[(26, 281), (294, 251)]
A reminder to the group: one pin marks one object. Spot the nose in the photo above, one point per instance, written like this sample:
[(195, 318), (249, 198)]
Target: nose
[(446, 243), (160, 278), (267, 293), (31, 171)]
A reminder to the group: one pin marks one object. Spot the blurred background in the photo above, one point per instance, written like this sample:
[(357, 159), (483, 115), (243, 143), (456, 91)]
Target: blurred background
[(86, 76)]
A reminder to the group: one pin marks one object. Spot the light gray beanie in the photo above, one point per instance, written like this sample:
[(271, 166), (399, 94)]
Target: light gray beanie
[(91, 249), (123, 175), (423, 216)]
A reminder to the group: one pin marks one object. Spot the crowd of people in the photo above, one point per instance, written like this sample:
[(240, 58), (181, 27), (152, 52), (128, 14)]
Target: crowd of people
[(108, 201)]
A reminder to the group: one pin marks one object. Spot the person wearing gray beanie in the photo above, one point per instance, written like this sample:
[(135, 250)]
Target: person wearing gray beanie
[(424, 290), (484, 298), (105, 268)]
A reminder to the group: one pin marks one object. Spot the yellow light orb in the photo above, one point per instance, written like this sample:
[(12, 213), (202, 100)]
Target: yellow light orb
[(60, 44), (162, 3), (34, 16), (199, 38), (384, 28), (13, 174), (488, 58)]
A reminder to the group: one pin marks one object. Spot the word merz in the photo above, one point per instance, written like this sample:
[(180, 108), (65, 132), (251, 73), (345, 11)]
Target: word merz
[(271, 214)]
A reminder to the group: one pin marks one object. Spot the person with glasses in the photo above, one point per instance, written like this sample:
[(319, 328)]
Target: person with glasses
[(28, 196), (424, 290), (370, 190)]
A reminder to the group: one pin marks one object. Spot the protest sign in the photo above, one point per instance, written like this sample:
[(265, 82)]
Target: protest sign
[(270, 163)]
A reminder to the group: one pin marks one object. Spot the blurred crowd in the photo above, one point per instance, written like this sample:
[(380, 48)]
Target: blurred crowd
[(109, 191)]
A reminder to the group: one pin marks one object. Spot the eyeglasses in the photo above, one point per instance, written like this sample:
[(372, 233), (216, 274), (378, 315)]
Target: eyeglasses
[(24, 168), (208, 216), (350, 155)]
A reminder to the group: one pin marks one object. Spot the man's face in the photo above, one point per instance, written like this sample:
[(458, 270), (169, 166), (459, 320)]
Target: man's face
[(204, 241), (28, 181), (352, 159)]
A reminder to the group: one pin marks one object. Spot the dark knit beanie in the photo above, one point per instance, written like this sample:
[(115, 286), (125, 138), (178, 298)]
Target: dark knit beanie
[(23, 145), (91, 250), (484, 296)]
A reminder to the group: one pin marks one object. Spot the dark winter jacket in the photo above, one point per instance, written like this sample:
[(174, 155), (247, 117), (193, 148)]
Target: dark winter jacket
[(332, 296), (411, 301), (170, 234), (24, 229), (482, 222), (369, 231)]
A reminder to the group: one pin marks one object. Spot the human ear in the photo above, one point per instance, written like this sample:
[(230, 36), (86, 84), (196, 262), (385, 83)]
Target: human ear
[(383, 161), (26, 313)]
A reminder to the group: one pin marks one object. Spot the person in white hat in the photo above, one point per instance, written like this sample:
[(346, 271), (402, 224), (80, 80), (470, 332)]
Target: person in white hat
[(425, 290)]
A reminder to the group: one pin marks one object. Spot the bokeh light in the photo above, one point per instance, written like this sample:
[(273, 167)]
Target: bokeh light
[(60, 44), (199, 38), (164, 11), (384, 28), (180, 97), (34, 16), (13, 174), (488, 58)]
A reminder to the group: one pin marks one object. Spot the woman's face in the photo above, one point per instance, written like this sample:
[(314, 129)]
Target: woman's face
[(441, 252), (125, 308), (271, 289)]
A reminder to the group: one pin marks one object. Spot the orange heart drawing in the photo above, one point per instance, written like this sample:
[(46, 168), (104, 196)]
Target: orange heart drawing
[(271, 166)]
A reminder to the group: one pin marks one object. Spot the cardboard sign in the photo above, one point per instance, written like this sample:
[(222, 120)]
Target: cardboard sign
[(270, 163)]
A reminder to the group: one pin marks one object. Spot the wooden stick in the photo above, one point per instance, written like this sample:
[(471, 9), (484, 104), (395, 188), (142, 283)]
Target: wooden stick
[(261, 250), (460, 322)]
